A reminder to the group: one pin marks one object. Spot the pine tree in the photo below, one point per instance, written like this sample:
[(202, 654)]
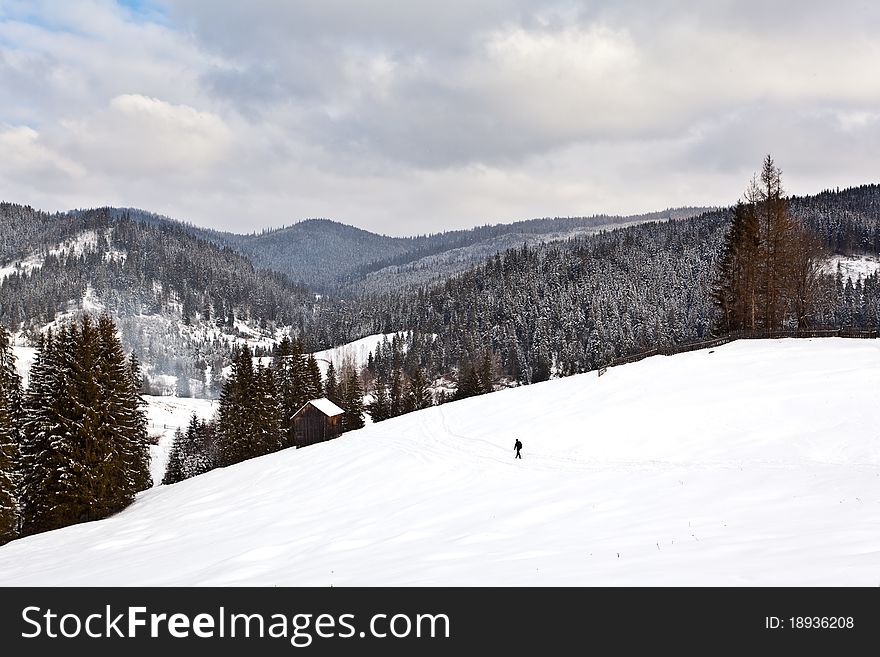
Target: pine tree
[(353, 404), (314, 388), (487, 373), (10, 417), (267, 412), (295, 381), (122, 422), (176, 456), (331, 387), (469, 384), (380, 408), (84, 450), (396, 394), (53, 493), (192, 452), (418, 395), (284, 381), (736, 289), (299, 376), (249, 417), (235, 441)]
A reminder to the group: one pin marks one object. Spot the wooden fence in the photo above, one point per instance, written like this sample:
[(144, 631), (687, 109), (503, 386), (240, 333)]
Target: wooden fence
[(739, 335)]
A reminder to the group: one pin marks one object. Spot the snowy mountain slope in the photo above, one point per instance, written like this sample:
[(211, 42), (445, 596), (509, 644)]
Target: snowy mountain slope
[(164, 416), (357, 352), (853, 267), (756, 463), (435, 268), (179, 301), (327, 255)]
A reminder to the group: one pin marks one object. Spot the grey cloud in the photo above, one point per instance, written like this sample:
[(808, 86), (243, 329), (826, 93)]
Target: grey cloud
[(404, 116), (448, 103)]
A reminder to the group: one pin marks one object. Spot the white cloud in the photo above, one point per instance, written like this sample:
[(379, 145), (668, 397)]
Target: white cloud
[(405, 117), (137, 135), (26, 157)]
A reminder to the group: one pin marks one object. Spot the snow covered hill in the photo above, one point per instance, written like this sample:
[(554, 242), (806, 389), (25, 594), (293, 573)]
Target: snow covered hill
[(756, 463)]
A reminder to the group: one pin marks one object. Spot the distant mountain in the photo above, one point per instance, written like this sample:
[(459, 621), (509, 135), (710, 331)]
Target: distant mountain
[(317, 253), (562, 294), (327, 256), (180, 300)]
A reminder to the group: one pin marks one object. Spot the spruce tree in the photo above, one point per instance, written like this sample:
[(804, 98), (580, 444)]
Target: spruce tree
[(84, 450), (469, 384), (299, 376), (192, 452), (315, 390), (235, 441), (55, 486), (10, 417), (123, 420), (769, 269), (418, 395), (380, 408), (396, 394), (249, 414), (353, 402), (284, 381), (487, 373), (174, 467), (331, 387), (267, 412)]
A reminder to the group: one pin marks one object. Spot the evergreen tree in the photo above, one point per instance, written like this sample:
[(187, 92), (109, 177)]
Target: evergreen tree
[(396, 394), (84, 450), (235, 441), (10, 416), (487, 373), (353, 404), (380, 408), (299, 376), (314, 388), (331, 387), (176, 456), (249, 413), (736, 289), (267, 412), (285, 386), (469, 384), (122, 421), (55, 486), (192, 452), (37, 457), (418, 395)]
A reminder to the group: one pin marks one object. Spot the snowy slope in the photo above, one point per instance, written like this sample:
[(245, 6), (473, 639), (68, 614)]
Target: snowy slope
[(756, 463), (164, 416), (358, 352), (853, 267)]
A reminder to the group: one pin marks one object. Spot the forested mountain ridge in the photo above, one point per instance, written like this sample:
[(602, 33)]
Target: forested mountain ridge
[(538, 308), (328, 256), (573, 305), (179, 299), (847, 220)]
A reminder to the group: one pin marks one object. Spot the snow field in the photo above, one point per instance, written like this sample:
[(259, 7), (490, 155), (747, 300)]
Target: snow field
[(755, 463)]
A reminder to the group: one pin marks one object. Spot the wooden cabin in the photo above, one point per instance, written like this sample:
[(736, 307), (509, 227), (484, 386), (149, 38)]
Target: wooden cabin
[(318, 420)]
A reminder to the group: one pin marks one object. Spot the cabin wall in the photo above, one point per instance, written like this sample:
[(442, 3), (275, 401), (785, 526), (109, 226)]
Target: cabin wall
[(312, 426)]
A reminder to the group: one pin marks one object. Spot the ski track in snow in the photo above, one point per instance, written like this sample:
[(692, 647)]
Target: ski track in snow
[(753, 464)]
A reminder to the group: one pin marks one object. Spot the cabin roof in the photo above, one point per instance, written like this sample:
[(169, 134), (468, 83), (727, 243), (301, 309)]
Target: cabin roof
[(324, 405)]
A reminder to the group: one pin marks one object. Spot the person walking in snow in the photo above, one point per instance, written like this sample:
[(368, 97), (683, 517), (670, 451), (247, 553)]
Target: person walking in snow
[(517, 446)]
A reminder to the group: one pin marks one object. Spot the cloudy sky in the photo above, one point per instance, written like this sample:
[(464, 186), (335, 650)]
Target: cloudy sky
[(404, 117)]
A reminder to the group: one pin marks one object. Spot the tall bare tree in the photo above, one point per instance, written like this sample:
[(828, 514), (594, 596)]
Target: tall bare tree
[(769, 270)]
